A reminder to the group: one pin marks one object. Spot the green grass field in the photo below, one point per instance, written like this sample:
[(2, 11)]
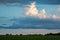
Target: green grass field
[(29, 37)]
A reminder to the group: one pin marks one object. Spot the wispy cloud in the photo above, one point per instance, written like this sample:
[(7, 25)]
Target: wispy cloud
[(24, 2)]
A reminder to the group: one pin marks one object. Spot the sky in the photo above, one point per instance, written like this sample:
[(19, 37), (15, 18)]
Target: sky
[(29, 14), (16, 8)]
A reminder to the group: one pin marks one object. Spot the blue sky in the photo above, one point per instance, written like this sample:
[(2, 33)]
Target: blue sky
[(11, 11)]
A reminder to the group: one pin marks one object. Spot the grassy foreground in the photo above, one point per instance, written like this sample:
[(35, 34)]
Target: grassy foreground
[(29, 37)]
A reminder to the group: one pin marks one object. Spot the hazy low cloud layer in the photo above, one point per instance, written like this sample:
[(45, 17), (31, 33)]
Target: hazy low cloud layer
[(27, 31)]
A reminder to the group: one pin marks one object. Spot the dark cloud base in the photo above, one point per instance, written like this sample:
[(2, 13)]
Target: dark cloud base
[(33, 23)]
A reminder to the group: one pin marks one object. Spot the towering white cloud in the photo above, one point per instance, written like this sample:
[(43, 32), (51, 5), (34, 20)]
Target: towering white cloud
[(32, 10), (42, 14), (53, 16), (59, 8)]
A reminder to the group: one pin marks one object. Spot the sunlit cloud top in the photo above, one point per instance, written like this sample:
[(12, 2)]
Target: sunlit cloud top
[(32, 10)]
